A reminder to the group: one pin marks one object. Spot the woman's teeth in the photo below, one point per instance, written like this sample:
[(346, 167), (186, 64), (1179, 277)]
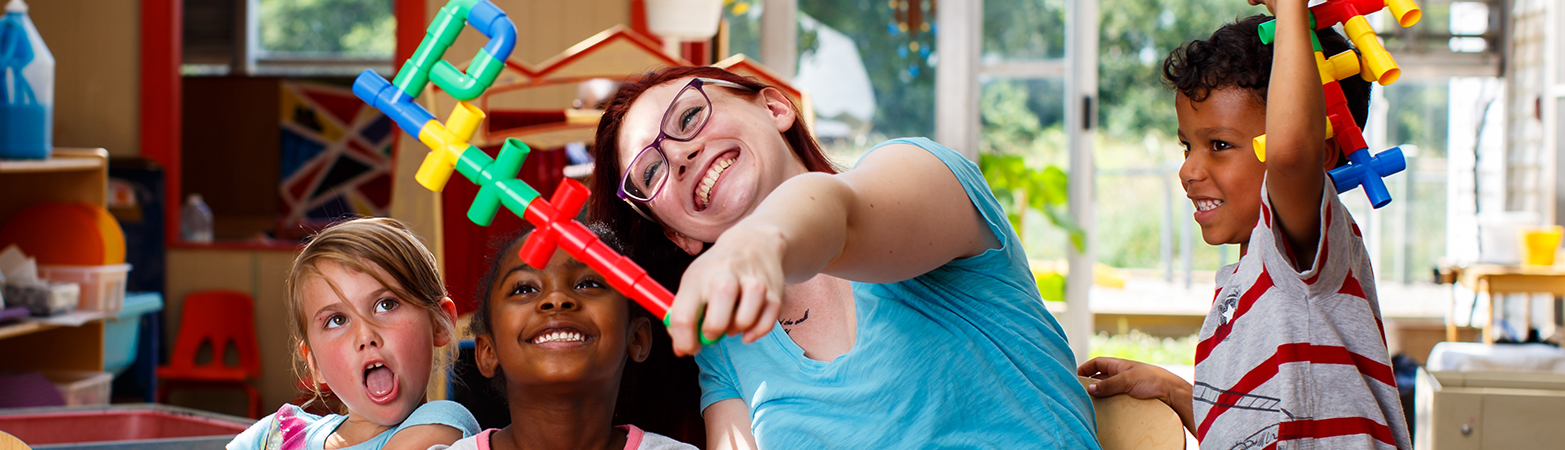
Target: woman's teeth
[(705, 189), (565, 336), (1207, 205)]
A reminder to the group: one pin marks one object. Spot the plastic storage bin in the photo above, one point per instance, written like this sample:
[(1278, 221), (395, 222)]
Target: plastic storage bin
[(81, 388), (120, 334), (142, 426), (103, 287)]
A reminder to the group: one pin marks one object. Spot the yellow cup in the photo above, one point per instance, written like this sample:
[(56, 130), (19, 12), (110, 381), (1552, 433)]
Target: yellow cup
[(1540, 244)]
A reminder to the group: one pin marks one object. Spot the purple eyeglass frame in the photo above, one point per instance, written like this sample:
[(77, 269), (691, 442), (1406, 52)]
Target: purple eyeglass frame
[(657, 143)]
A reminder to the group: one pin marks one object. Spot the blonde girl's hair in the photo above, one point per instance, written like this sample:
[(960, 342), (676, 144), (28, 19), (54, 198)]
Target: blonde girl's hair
[(361, 245)]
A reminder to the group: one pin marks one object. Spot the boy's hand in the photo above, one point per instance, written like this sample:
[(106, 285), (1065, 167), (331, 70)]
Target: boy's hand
[(1123, 376), (1139, 380)]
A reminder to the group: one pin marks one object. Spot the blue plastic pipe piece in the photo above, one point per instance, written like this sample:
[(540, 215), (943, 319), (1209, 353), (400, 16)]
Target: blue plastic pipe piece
[(1369, 172), (379, 93)]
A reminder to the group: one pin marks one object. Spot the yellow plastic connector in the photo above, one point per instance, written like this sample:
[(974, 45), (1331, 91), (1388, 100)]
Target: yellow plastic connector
[(1406, 12), (446, 144), (1260, 147), (1343, 65), (1379, 62), (1259, 143)]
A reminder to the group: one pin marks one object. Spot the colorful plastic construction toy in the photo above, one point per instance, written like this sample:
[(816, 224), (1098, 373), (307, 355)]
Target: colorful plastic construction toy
[(1378, 63), (450, 150), (1373, 64)]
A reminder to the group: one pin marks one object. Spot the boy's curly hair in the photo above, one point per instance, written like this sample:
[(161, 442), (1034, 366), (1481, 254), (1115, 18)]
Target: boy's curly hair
[(1235, 57)]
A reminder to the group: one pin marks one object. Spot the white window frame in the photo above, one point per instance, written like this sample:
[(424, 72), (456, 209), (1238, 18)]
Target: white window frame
[(959, 46)]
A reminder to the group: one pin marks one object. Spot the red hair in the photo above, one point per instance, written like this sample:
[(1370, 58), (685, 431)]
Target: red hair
[(639, 233)]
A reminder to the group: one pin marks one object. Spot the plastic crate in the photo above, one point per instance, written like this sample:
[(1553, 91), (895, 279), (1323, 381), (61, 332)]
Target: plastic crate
[(142, 426), (120, 334), (103, 287), (81, 387)]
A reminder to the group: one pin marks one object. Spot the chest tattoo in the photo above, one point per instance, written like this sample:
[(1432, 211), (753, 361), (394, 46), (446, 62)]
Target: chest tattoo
[(788, 324)]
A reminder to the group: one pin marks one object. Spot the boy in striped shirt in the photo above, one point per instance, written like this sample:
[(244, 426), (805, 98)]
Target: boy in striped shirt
[(1292, 354)]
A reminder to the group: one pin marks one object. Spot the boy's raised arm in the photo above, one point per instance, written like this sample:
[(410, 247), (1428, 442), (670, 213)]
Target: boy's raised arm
[(1295, 130)]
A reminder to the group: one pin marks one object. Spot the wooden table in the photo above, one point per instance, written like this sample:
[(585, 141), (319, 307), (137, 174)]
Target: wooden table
[(1498, 280)]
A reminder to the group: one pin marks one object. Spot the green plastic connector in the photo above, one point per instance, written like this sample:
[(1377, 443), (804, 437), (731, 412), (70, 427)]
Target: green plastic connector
[(472, 163), (480, 74), (667, 319), (498, 184), (444, 30), (1268, 32)]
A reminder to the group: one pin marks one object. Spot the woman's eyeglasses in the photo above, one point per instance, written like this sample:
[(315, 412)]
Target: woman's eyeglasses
[(685, 118)]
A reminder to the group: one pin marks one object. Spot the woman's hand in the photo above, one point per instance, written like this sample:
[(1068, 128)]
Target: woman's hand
[(1139, 380), (735, 287)]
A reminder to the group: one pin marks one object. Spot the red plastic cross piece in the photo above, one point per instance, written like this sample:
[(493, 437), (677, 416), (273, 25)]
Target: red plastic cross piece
[(557, 228)]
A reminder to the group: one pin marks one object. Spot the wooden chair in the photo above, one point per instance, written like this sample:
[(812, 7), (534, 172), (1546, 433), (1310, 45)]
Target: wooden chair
[(1126, 423)]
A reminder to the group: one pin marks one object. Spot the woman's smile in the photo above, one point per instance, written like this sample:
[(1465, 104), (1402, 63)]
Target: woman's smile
[(715, 169)]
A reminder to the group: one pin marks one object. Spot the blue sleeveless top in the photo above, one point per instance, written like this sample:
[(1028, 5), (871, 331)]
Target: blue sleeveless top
[(963, 356)]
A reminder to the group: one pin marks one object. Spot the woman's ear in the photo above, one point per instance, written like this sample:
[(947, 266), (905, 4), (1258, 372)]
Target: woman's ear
[(484, 355), (690, 245), (780, 108), (447, 309), (309, 361), (640, 345)]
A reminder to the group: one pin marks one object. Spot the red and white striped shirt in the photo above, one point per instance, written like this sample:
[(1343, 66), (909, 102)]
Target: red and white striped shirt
[(1290, 359)]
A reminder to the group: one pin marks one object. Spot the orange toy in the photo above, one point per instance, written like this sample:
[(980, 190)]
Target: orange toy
[(77, 233)]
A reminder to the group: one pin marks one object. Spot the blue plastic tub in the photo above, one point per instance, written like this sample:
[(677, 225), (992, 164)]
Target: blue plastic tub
[(120, 333)]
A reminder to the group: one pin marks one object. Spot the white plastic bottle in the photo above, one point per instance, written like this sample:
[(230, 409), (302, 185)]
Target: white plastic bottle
[(195, 220), (26, 87)]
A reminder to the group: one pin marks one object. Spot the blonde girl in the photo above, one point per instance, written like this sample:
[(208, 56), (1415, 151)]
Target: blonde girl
[(368, 309)]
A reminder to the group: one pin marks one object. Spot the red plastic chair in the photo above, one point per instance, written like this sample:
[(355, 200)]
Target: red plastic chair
[(222, 318)]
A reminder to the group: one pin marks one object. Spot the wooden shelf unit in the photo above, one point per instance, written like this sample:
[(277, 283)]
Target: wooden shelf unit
[(71, 175)]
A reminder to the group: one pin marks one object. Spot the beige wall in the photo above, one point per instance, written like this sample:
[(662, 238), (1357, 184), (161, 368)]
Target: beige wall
[(260, 273), (97, 52)]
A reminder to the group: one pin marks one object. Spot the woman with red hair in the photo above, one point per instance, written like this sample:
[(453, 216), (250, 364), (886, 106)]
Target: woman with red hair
[(910, 316)]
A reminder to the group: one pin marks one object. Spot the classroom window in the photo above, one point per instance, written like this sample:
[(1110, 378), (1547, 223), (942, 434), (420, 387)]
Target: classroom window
[(288, 37), (869, 68)]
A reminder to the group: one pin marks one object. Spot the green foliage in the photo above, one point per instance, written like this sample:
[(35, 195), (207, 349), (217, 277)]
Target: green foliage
[(1135, 37), (1013, 136), (1051, 286), (1045, 190), (1145, 348), (1134, 150), (744, 28), (340, 27), (1024, 29), (1420, 117), (904, 82)]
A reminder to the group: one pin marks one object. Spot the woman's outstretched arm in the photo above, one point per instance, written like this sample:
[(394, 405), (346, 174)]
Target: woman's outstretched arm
[(900, 213)]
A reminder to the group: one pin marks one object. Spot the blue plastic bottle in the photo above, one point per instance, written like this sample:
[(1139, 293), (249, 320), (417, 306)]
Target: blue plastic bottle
[(26, 87)]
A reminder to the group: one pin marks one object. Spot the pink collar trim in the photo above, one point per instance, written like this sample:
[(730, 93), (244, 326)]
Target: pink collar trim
[(483, 438), (633, 436)]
